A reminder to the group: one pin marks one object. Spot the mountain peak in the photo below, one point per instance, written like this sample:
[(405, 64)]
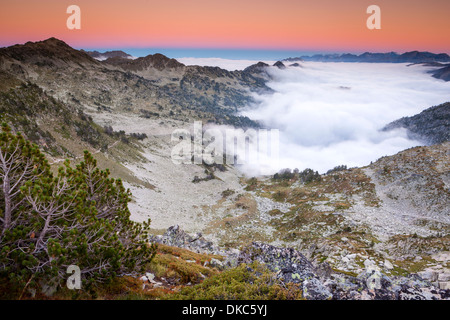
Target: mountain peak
[(256, 68), (50, 43), (54, 41), (157, 61), (279, 65), (49, 51)]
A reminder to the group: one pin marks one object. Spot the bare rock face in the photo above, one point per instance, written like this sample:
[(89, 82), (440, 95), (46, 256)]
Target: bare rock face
[(176, 237), (51, 53), (290, 264), (318, 282)]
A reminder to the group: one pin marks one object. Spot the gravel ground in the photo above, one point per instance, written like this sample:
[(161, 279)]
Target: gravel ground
[(392, 217)]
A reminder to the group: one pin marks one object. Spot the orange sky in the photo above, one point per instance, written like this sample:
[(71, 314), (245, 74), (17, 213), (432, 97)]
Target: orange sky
[(332, 25)]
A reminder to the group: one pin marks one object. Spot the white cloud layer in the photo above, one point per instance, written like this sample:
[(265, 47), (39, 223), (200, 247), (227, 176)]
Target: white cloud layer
[(330, 114)]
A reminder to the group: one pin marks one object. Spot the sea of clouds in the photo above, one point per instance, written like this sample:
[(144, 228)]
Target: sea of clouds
[(330, 114)]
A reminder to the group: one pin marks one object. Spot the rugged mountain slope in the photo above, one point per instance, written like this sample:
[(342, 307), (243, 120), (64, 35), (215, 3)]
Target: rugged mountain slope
[(394, 210), (80, 104), (29, 110), (385, 221), (431, 125), (64, 131), (151, 87), (413, 186), (212, 89), (52, 53), (443, 73)]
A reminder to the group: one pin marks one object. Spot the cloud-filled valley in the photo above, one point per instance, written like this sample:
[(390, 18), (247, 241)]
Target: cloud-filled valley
[(330, 114)]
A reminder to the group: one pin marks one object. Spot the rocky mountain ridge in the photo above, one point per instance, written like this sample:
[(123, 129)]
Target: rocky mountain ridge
[(150, 86), (442, 73), (430, 126)]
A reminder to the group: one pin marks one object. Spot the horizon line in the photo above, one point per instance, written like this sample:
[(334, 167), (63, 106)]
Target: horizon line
[(233, 49)]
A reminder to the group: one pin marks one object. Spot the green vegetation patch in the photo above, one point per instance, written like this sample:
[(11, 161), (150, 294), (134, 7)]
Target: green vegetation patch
[(245, 282)]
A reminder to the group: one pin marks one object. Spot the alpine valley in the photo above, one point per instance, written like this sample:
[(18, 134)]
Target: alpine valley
[(381, 231)]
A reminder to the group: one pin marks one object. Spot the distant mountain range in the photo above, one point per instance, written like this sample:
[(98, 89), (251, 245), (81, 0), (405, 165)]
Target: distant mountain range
[(390, 57), (160, 62), (414, 57), (108, 54)]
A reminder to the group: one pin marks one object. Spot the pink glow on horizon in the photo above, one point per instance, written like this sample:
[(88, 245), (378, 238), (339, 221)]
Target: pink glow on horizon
[(322, 25)]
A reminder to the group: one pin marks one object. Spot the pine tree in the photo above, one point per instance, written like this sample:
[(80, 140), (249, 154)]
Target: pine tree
[(77, 217)]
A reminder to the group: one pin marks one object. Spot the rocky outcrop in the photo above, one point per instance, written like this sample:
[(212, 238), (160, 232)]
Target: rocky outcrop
[(317, 282), (279, 65), (431, 125), (322, 283), (256, 68), (290, 266), (176, 237)]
